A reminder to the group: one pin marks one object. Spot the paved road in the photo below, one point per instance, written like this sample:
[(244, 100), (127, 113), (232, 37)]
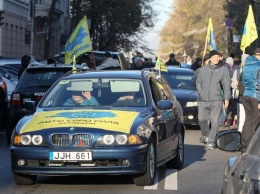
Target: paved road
[(202, 173)]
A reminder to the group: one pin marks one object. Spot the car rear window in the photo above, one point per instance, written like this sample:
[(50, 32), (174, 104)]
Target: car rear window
[(44, 77)]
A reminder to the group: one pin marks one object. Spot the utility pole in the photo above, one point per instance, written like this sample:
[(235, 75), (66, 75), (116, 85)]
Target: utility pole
[(32, 6)]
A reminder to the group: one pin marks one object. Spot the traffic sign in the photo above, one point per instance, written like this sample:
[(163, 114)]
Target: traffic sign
[(229, 22)]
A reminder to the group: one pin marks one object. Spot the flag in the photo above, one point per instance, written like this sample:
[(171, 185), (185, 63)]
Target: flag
[(74, 63), (210, 37), (159, 65), (250, 31), (78, 42)]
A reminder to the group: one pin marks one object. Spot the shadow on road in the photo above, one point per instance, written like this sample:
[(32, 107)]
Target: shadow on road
[(196, 154)]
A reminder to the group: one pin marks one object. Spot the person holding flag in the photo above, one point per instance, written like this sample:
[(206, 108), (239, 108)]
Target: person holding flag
[(78, 42)]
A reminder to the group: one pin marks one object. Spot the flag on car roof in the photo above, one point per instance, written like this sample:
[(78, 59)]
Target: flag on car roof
[(250, 31), (210, 37), (78, 42), (159, 65)]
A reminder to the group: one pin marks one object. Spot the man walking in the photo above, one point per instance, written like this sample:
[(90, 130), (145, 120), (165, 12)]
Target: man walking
[(251, 97), (213, 85)]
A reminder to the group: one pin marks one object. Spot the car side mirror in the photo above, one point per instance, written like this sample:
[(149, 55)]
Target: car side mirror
[(229, 141), (165, 104), (30, 105)]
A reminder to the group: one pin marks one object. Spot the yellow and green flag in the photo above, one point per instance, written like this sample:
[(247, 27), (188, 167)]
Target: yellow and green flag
[(250, 31), (79, 41)]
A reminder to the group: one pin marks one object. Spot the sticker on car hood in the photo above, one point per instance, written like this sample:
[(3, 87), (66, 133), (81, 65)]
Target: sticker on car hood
[(120, 121)]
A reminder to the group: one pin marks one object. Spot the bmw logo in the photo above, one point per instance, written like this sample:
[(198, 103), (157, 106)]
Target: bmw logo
[(72, 129)]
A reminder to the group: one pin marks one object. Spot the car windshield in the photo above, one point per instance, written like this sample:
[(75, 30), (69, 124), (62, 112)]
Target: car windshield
[(45, 77), (115, 92), (180, 81)]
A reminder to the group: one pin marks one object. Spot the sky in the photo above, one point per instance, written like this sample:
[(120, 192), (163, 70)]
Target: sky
[(163, 8)]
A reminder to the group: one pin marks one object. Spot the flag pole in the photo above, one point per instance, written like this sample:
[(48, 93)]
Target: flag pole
[(205, 47)]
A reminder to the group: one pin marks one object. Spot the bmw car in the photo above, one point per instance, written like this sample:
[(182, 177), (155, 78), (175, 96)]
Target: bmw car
[(134, 126), (181, 81)]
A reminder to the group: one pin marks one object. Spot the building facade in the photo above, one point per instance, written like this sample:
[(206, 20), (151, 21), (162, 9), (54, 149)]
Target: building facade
[(18, 23)]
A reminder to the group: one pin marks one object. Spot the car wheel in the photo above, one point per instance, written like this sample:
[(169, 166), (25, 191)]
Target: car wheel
[(147, 178), (178, 160), (24, 179)]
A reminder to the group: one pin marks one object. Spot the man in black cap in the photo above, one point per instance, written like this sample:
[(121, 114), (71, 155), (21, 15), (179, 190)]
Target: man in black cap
[(109, 63), (251, 97), (213, 85), (25, 61), (172, 61)]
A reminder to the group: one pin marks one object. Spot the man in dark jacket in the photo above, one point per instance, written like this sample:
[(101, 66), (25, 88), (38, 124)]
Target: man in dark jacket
[(197, 64), (213, 78), (251, 97), (25, 61), (172, 61)]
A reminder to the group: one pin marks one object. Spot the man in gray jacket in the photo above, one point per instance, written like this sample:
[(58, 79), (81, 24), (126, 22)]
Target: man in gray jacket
[(213, 86)]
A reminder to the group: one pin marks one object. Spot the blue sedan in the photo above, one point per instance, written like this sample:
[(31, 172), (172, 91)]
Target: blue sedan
[(128, 122)]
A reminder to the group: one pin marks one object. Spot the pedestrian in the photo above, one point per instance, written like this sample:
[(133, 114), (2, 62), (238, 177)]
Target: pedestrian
[(25, 61), (149, 63), (197, 64), (138, 64), (204, 62), (51, 61), (172, 61), (109, 63), (251, 97), (232, 108), (213, 78), (235, 83)]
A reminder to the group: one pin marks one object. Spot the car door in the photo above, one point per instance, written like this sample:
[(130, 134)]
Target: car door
[(245, 174), (164, 120)]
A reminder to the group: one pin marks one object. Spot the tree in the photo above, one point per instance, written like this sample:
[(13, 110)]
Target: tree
[(114, 22), (186, 28)]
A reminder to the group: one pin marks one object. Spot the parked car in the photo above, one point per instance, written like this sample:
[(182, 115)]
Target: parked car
[(9, 74), (181, 81), (242, 174), (184, 65), (3, 102), (33, 84), (137, 126), (98, 58)]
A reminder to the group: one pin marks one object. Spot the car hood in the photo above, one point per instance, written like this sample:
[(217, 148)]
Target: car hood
[(185, 95), (112, 120)]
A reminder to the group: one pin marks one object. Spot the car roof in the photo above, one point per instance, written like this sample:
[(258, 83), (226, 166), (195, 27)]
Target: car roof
[(48, 66), (180, 70), (133, 74)]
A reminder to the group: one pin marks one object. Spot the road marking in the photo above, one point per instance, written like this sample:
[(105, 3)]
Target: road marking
[(154, 186), (171, 180)]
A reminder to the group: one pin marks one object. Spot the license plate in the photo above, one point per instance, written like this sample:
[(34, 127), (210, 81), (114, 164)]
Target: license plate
[(70, 156)]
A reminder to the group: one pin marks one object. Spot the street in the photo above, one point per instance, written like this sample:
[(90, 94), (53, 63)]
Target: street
[(202, 173)]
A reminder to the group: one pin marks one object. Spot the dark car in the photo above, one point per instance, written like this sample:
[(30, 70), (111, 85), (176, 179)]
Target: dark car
[(242, 174), (97, 58), (3, 102), (32, 85), (181, 81), (133, 125)]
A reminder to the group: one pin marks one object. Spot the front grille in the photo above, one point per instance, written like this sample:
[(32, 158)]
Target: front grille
[(76, 140), (81, 140), (60, 140)]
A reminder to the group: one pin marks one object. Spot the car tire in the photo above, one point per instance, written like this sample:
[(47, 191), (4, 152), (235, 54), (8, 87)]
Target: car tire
[(178, 160), (24, 179), (147, 178)]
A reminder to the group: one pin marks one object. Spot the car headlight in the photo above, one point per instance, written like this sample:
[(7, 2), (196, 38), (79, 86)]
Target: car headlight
[(27, 140), (190, 104), (120, 139)]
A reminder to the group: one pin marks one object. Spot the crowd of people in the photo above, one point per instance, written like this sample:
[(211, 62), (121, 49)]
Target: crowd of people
[(230, 86), (228, 89)]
